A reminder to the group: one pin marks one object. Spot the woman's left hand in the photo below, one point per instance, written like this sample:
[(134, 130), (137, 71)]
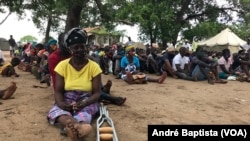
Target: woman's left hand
[(79, 105)]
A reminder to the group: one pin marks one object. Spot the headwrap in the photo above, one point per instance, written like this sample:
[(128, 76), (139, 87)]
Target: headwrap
[(101, 53), (128, 48), (34, 44), (51, 42), (75, 36)]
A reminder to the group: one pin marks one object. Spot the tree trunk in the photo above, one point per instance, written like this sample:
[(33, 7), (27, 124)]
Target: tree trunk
[(49, 23), (164, 43), (181, 12), (73, 17), (104, 14)]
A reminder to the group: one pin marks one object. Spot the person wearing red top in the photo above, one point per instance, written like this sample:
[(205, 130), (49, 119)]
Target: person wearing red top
[(54, 58)]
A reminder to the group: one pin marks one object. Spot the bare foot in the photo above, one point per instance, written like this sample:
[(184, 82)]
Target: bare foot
[(158, 74), (9, 91), (71, 131), (248, 79), (195, 78), (163, 77), (129, 78), (83, 129), (210, 82), (47, 79), (106, 88), (174, 76), (120, 101)]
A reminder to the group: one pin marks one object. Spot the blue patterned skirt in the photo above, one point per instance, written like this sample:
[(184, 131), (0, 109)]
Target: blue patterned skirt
[(84, 115)]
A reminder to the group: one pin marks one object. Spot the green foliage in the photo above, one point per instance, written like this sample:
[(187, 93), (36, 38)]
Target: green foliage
[(161, 20), (48, 15), (203, 30), (242, 30), (48, 9), (158, 20), (28, 38), (12, 5)]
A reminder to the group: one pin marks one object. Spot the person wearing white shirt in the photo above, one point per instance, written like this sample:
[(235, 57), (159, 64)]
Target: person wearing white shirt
[(246, 46), (181, 65)]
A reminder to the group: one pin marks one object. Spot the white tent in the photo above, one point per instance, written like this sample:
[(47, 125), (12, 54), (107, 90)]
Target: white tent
[(225, 39)]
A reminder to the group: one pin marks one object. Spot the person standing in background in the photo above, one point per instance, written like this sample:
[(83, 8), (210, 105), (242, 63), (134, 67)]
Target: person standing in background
[(246, 46), (187, 45), (12, 44)]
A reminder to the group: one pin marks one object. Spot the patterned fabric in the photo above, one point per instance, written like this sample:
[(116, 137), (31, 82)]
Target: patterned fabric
[(40, 53), (75, 36), (130, 68), (84, 115)]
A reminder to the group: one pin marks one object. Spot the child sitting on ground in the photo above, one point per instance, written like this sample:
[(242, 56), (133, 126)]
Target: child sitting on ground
[(8, 69)]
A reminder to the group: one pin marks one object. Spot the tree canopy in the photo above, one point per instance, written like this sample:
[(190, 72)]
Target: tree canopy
[(158, 20), (28, 39)]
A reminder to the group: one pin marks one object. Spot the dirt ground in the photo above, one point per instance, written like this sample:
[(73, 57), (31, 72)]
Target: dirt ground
[(23, 117)]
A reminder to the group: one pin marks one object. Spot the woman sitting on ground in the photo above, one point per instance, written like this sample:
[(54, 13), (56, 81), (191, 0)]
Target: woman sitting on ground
[(225, 65), (130, 67), (76, 104), (63, 53)]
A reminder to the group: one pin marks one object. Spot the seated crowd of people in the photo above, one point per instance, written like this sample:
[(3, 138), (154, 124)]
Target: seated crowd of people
[(68, 62), (117, 58), (215, 67)]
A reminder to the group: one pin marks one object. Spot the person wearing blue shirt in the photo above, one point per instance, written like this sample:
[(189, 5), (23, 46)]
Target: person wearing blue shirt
[(130, 67)]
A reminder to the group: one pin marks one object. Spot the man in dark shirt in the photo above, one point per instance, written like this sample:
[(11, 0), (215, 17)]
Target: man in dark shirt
[(242, 63), (12, 44), (204, 68), (152, 57), (166, 62)]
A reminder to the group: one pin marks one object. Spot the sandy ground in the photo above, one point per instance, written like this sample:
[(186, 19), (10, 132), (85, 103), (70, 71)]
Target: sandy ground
[(23, 117)]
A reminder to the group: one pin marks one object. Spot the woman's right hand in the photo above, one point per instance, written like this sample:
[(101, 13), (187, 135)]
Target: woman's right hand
[(65, 106)]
